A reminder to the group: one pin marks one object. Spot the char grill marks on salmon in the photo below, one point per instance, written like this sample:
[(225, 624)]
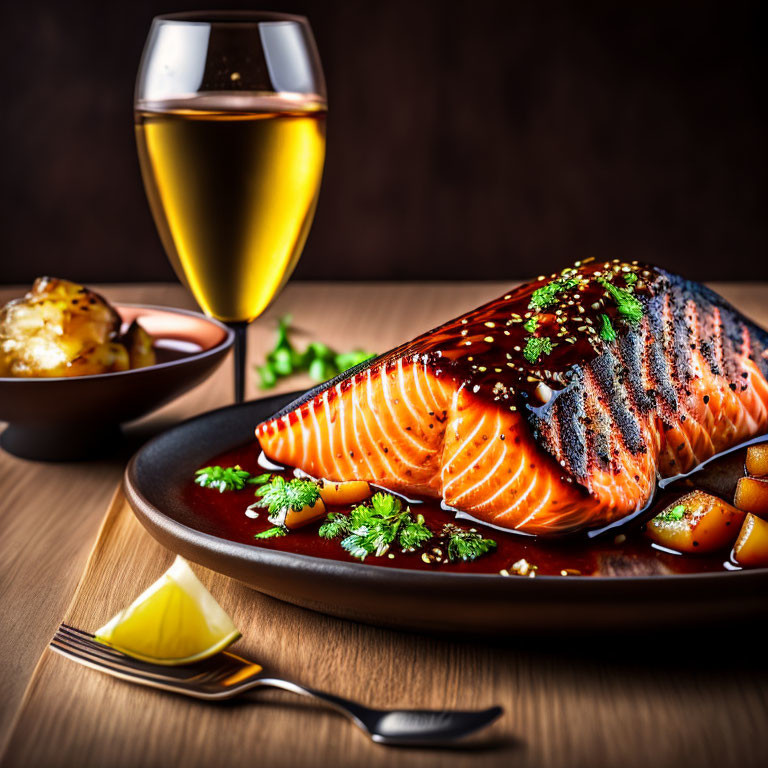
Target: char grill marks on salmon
[(551, 409)]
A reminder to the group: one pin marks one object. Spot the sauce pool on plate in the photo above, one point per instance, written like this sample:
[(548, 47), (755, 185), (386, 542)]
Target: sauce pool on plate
[(624, 553)]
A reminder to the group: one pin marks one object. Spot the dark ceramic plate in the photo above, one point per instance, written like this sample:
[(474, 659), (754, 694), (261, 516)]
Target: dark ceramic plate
[(59, 419), (409, 599)]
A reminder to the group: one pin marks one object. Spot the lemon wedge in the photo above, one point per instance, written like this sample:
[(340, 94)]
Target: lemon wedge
[(175, 621)]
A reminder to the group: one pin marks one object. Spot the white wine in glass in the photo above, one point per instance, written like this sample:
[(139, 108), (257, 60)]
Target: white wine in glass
[(230, 125)]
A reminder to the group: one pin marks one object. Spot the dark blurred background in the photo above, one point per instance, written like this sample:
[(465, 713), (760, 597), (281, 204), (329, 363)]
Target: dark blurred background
[(467, 140)]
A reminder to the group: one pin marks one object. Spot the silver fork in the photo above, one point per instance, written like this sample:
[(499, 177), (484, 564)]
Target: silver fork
[(226, 675)]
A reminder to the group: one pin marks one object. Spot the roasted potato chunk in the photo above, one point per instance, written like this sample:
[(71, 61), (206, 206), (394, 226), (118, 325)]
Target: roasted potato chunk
[(304, 516), (346, 493), (696, 523), (752, 496), (59, 329), (757, 460), (139, 345), (751, 548)]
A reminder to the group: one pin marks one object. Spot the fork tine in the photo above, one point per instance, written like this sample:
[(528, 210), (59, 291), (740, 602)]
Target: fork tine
[(91, 645), (77, 631), (93, 661), (120, 662), (84, 644), (123, 673)]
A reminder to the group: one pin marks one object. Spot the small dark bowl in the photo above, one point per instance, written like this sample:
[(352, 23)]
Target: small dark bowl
[(62, 419)]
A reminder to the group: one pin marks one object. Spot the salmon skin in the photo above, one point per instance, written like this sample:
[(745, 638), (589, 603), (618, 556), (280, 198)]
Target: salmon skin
[(552, 409)]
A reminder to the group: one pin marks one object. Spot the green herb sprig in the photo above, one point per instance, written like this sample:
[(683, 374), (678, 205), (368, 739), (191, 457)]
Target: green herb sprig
[(535, 347), (279, 497), (628, 305), (607, 331), (271, 533), (318, 359), (672, 515), (546, 296), (228, 478), (531, 324), (462, 544), (370, 529)]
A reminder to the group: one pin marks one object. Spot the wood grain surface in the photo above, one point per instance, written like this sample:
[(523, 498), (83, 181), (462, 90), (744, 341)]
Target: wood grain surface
[(669, 700)]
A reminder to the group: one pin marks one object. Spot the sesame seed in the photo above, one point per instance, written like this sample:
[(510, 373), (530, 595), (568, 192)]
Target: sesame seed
[(489, 339), (489, 324)]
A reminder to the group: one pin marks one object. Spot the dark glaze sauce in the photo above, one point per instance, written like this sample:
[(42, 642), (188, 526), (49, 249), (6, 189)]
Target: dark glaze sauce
[(223, 514), (485, 349)]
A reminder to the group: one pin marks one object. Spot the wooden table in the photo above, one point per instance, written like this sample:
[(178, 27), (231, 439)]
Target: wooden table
[(50, 515)]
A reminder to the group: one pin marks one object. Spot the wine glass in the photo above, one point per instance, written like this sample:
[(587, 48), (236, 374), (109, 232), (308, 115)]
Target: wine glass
[(230, 125)]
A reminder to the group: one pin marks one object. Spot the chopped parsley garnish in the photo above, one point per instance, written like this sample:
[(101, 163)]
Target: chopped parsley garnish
[(531, 324), (629, 306), (370, 529), (463, 544), (672, 515), (607, 332), (280, 496), (228, 478), (318, 359), (546, 296), (535, 347), (270, 533), (335, 525)]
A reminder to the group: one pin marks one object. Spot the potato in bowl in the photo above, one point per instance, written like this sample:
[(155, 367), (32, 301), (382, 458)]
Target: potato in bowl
[(62, 329)]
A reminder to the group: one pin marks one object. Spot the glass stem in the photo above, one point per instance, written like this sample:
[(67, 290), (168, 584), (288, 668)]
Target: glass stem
[(240, 346)]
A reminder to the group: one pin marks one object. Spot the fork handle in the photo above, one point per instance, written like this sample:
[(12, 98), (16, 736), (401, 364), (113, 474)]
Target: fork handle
[(356, 712), (398, 726)]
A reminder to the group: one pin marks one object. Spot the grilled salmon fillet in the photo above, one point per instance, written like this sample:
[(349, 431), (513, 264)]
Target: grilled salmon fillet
[(552, 409)]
